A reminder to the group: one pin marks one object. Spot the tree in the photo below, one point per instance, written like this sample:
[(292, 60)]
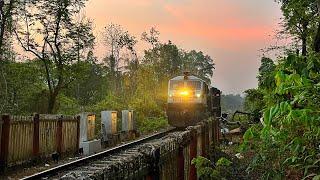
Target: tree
[(21, 94), (171, 61), (266, 73), (300, 17), (199, 64), (116, 39), (152, 37), (288, 133), (317, 36), (6, 11), (90, 84), (253, 101), (166, 60), (231, 103), (48, 31)]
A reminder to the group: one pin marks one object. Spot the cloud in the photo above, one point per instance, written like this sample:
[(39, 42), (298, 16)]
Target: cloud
[(229, 31)]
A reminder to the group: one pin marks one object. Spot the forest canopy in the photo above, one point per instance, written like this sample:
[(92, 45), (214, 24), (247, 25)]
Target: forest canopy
[(58, 71)]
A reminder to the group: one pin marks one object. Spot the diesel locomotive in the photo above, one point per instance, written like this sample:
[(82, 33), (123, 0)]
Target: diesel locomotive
[(191, 100)]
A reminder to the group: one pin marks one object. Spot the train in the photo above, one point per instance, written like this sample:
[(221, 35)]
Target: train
[(191, 100)]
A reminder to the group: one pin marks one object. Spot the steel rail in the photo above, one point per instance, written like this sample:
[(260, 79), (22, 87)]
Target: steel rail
[(66, 166)]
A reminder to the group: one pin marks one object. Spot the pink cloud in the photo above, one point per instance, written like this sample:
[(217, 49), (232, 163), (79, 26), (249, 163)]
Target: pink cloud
[(227, 32)]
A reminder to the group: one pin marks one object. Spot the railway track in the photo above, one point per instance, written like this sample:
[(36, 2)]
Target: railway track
[(97, 161)]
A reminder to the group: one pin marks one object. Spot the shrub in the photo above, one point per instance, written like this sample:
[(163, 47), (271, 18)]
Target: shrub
[(206, 170)]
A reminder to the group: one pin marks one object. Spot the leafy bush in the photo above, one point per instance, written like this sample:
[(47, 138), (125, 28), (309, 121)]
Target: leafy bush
[(223, 162), (287, 144), (207, 170), (67, 105), (110, 102), (152, 124)]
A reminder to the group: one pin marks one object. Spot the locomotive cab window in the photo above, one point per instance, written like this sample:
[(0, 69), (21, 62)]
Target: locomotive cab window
[(194, 85), (191, 85), (175, 85)]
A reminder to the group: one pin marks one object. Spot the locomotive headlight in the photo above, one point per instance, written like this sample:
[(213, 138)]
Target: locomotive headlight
[(184, 93), (198, 95)]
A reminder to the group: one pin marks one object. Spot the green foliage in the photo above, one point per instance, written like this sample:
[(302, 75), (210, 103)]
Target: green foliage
[(148, 125), (65, 77), (67, 105), (290, 135), (90, 84), (300, 21), (170, 61), (223, 162), (266, 74), (206, 170), (111, 102), (286, 145), (231, 103), (50, 31), (253, 101), (20, 86)]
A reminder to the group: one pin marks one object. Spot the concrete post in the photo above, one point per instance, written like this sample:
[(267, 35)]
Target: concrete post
[(87, 126), (108, 123), (127, 120), (86, 134)]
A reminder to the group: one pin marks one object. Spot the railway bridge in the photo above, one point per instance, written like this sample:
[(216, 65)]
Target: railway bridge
[(29, 140), (164, 155)]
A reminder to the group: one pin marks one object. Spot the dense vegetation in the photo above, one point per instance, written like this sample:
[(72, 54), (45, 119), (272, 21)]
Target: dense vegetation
[(286, 145), (231, 103), (58, 71)]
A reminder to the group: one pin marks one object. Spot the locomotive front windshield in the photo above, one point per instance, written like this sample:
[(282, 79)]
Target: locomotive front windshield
[(192, 85), (176, 85), (196, 85)]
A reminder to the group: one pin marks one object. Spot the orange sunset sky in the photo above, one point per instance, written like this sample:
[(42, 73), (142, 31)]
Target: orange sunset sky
[(231, 31)]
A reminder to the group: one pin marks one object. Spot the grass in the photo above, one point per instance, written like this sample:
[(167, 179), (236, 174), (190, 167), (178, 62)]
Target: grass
[(152, 124)]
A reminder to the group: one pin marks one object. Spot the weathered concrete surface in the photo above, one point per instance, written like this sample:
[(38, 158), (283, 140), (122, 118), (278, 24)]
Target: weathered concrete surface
[(108, 123), (91, 147), (128, 123), (166, 158)]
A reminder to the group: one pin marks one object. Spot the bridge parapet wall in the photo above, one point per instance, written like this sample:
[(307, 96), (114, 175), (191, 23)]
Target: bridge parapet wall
[(166, 158)]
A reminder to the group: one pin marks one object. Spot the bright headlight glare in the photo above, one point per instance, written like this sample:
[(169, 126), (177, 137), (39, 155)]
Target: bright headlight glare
[(198, 95), (184, 93)]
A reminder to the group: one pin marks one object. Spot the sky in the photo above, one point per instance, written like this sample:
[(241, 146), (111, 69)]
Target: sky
[(232, 32)]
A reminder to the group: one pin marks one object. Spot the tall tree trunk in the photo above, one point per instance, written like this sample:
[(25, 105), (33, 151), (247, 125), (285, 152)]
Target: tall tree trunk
[(4, 20), (316, 44), (304, 37), (51, 102), (5, 98), (304, 46)]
